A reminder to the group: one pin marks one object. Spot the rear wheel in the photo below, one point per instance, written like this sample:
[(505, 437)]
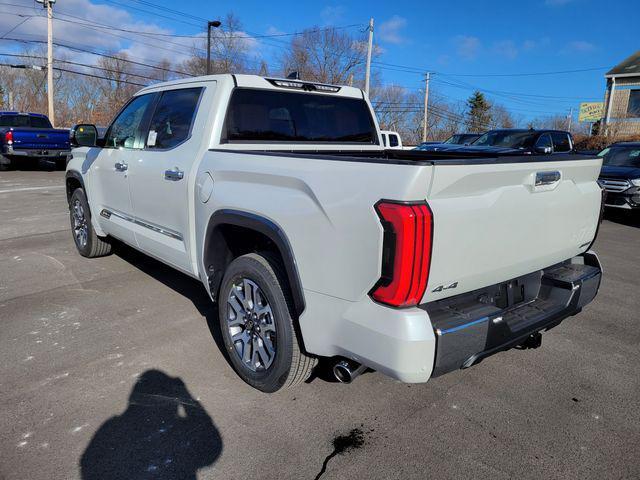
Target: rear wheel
[(5, 163), (257, 326), (88, 243)]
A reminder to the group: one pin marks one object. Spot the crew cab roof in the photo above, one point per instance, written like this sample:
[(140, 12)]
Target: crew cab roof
[(24, 113), (265, 83)]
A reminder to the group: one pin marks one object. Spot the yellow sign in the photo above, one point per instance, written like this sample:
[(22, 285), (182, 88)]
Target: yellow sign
[(591, 111)]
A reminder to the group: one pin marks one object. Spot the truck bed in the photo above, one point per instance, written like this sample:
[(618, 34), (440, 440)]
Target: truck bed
[(496, 217)]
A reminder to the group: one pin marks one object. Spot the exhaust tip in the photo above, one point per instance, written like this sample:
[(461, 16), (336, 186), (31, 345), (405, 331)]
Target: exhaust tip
[(342, 372), (346, 371)]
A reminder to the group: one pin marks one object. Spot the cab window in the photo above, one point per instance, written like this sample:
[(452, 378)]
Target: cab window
[(393, 140), (173, 118), (125, 128)]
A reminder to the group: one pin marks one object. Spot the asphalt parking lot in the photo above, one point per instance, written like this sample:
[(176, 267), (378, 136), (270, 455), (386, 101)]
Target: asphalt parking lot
[(113, 365)]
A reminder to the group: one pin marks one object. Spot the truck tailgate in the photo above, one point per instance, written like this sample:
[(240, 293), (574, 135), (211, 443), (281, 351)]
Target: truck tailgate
[(40, 139), (493, 223)]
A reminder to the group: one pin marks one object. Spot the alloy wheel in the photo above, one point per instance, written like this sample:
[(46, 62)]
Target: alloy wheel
[(80, 224), (251, 325)]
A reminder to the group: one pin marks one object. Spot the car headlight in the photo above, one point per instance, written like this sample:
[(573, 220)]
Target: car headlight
[(636, 182)]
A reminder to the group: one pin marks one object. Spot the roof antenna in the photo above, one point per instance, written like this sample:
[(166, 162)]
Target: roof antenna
[(293, 76)]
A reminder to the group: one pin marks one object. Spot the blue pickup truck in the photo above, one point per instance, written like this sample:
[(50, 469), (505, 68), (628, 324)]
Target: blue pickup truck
[(29, 137)]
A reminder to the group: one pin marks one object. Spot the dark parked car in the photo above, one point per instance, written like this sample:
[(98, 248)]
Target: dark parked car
[(462, 139), (514, 140), (620, 175), (456, 139), (28, 137)]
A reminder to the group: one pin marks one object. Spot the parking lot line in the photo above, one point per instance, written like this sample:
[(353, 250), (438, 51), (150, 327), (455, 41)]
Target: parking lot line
[(27, 189)]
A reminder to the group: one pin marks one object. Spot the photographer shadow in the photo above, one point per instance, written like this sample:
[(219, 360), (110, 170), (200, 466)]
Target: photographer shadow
[(163, 434)]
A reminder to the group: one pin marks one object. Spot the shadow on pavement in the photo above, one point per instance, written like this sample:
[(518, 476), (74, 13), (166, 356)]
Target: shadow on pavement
[(631, 218), (163, 434), (186, 286), (194, 291)]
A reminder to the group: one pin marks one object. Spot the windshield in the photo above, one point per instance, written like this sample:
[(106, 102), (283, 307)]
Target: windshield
[(461, 139), (621, 156), (24, 121), (503, 138), (281, 116)]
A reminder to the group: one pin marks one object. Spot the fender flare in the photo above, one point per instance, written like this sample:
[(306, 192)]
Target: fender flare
[(76, 176), (270, 230)]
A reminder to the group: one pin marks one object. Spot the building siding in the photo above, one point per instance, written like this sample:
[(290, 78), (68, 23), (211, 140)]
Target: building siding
[(619, 122)]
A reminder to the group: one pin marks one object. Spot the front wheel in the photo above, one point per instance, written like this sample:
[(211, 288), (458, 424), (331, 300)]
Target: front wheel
[(88, 243), (257, 326)]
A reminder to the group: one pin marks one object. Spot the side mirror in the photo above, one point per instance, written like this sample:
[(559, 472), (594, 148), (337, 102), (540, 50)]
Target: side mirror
[(544, 150), (84, 135)]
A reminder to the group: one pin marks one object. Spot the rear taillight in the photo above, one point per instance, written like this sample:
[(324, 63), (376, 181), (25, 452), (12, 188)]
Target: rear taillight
[(8, 137), (406, 253)]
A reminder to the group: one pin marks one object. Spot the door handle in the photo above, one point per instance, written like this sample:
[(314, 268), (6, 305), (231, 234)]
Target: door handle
[(121, 166), (174, 175), (545, 181), (547, 178)]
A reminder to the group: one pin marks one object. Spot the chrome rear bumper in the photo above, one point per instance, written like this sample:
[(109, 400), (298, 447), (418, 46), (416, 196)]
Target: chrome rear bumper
[(475, 325)]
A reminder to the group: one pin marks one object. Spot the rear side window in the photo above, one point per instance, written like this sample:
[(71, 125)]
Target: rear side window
[(393, 140), (561, 142), (24, 121), (173, 117), (40, 122), (266, 115)]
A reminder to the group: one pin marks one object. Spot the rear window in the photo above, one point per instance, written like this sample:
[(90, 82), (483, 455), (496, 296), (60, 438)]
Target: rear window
[(24, 121), (393, 140), (265, 115)]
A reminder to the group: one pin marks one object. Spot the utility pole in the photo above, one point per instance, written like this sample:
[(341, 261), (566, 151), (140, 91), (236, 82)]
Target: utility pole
[(48, 4), (426, 106), (570, 119), (213, 24), (367, 74)]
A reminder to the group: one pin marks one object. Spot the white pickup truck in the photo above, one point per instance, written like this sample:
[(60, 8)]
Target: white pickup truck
[(317, 242)]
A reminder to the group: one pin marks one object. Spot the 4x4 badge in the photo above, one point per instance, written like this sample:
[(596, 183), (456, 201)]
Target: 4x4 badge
[(442, 287)]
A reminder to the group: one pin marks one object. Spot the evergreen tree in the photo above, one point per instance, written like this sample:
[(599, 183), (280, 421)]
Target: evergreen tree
[(478, 113)]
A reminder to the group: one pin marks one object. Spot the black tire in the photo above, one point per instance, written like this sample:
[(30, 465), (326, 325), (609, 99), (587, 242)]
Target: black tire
[(290, 365), (94, 246), (5, 163)]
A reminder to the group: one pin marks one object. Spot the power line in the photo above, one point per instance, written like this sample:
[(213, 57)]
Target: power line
[(418, 70), (527, 74), (83, 74), (104, 55), (154, 13), (96, 67)]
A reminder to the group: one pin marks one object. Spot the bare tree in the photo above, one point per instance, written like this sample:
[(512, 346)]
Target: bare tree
[(230, 50), (501, 117), (326, 55)]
